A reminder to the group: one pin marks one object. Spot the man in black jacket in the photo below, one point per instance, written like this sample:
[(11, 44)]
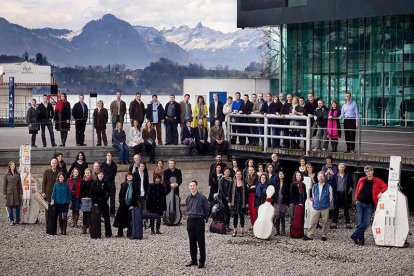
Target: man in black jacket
[(80, 114), (172, 171), (155, 114), (216, 110), (172, 114), (246, 109), (321, 118), (200, 134), (46, 114)]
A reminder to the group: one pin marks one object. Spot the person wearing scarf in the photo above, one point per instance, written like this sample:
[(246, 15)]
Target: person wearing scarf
[(128, 199), (200, 111), (62, 118), (85, 198), (74, 182), (334, 126), (261, 191)]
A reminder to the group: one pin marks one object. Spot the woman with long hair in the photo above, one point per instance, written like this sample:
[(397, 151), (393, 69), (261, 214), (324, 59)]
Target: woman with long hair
[(281, 201), (249, 163), (80, 163), (225, 187), (61, 165), (136, 142), (159, 169), (62, 118), (13, 192), (74, 182), (260, 196), (119, 142), (149, 135), (200, 111), (297, 192), (85, 199), (251, 184), (238, 202), (334, 125), (302, 164), (61, 197)]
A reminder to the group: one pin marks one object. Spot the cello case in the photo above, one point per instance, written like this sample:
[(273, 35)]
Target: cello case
[(51, 227), (263, 226), (172, 216)]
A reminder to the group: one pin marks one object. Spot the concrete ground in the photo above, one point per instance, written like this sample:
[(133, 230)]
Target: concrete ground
[(27, 250)]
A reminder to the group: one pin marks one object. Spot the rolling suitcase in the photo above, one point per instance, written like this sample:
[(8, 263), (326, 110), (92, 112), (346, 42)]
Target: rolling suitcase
[(51, 228), (296, 228), (136, 223), (95, 222), (217, 227)]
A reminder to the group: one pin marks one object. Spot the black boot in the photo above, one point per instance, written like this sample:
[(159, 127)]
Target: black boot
[(158, 226), (152, 226), (34, 140), (283, 227)]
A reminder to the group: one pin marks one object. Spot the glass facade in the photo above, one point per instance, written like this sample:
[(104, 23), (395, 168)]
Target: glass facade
[(373, 58)]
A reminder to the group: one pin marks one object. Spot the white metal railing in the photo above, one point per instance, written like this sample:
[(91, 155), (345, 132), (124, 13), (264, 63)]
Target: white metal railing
[(233, 119)]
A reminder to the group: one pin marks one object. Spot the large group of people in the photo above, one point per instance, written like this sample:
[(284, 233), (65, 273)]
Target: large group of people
[(243, 191), (240, 192), (201, 126)]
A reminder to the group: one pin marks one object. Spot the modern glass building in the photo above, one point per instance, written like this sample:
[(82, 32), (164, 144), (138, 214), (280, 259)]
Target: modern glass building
[(332, 46)]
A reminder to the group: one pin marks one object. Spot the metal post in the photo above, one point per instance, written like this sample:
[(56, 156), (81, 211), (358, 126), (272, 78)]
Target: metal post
[(308, 136), (265, 129), (11, 101), (227, 119), (359, 138)]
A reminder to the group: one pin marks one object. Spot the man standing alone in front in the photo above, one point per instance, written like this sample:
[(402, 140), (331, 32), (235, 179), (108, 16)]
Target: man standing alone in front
[(80, 114), (197, 210)]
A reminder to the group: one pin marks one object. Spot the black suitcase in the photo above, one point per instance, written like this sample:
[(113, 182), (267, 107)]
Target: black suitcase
[(136, 223), (95, 222), (51, 228)]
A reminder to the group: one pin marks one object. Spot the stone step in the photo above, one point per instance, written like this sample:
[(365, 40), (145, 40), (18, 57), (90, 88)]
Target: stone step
[(42, 156)]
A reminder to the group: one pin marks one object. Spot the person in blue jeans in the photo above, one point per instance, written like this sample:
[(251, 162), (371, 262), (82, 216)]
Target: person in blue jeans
[(369, 189), (119, 142)]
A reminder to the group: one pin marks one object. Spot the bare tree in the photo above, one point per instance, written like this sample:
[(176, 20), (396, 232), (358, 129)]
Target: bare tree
[(269, 50)]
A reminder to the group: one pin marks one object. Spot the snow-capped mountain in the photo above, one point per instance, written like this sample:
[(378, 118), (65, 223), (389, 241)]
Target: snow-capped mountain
[(236, 49), (110, 40)]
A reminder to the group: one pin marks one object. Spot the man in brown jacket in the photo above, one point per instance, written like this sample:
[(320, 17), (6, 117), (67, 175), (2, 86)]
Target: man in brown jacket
[(218, 144), (118, 110), (137, 110), (49, 179)]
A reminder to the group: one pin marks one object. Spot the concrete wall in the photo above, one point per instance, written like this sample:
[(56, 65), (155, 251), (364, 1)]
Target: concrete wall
[(23, 96)]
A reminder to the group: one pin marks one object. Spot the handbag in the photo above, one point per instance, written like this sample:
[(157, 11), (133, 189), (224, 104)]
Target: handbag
[(86, 204)]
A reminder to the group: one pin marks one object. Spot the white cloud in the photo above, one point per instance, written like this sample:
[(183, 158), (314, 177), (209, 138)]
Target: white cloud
[(74, 14)]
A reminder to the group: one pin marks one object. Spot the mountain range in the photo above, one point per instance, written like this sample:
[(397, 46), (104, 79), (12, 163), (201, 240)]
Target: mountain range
[(110, 40)]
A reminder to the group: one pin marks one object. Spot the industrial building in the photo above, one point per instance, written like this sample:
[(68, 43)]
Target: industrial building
[(332, 46)]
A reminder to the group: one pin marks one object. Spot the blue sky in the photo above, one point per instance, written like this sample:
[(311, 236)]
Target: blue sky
[(74, 14)]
